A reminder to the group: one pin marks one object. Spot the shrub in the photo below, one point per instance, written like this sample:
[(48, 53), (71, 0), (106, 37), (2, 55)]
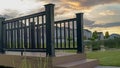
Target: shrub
[(112, 43), (96, 45)]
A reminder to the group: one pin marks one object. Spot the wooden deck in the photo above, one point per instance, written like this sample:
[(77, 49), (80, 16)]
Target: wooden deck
[(62, 60)]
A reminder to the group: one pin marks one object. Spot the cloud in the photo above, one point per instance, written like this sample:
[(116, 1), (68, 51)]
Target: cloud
[(93, 25), (66, 6), (88, 23), (104, 16), (80, 4), (8, 13), (113, 24), (107, 12), (90, 3), (59, 10)]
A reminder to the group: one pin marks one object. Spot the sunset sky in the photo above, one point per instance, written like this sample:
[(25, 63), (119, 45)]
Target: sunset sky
[(100, 15)]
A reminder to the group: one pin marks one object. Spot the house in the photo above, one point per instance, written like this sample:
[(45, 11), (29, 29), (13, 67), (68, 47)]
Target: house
[(113, 36), (100, 35), (87, 34)]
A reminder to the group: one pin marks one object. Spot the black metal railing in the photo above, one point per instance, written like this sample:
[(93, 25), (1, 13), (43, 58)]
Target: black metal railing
[(65, 34), (25, 32), (38, 32)]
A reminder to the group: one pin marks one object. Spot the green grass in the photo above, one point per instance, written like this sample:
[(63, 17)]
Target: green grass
[(106, 58)]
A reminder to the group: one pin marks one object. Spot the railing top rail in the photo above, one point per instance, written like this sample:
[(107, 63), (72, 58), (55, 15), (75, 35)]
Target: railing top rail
[(72, 19), (26, 17)]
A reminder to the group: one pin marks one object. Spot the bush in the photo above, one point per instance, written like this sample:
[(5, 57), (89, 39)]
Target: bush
[(112, 43), (96, 45)]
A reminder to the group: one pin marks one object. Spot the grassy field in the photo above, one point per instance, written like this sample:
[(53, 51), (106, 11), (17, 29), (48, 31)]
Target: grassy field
[(106, 58)]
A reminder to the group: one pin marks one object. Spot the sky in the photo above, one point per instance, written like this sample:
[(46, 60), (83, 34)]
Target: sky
[(99, 15)]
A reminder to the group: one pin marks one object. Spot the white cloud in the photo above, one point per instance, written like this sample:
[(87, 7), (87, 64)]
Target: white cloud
[(19, 5), (107, 13)]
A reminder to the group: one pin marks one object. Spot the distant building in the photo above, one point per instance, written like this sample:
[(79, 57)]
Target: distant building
[(100, 36), (87, 34), (113, 36)]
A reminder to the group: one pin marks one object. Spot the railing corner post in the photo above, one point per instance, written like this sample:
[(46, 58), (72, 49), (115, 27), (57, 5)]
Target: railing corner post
[(2, 19), (49, 9), (79, 26)]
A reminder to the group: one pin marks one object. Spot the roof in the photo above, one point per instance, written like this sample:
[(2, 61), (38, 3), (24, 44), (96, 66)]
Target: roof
[(87, 30)]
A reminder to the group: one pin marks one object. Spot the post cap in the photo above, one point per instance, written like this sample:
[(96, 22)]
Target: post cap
[(79, 13), (50, 4)]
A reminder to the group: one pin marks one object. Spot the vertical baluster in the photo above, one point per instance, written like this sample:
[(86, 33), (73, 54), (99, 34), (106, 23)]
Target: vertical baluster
[(69, 39), (22, 36), (43, 32), (8, 44), (25, 34), (56, 36), (38, 33), (60, 36), (18, 34), (33, 35), (5, 32), (65, 35), (12, 35), (15, 46), (73, 33), (33, 19), (29, 33), (9, 35)]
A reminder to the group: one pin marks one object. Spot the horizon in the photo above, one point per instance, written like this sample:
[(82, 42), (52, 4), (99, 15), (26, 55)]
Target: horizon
[(100, 15)]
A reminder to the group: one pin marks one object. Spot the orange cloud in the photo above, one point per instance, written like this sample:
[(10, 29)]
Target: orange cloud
[(76, 5)]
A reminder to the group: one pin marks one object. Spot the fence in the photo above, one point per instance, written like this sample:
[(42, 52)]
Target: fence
[(39, 33)]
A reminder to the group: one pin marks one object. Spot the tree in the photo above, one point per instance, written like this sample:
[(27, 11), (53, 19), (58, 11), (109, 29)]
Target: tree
[(106, 35), (94, 35)]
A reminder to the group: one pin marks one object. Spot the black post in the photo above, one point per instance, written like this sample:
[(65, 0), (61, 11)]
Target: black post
[(49, 8), (32, 27), (79, 25), (1, 35)]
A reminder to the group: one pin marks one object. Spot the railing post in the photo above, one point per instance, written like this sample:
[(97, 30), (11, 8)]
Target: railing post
[(49, 9), (1, 35), (79, 25)]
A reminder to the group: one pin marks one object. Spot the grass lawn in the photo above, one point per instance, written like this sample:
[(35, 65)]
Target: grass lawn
[(106, 58)]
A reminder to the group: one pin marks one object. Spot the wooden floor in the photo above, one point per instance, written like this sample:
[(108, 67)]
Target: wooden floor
[(61, 60)]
